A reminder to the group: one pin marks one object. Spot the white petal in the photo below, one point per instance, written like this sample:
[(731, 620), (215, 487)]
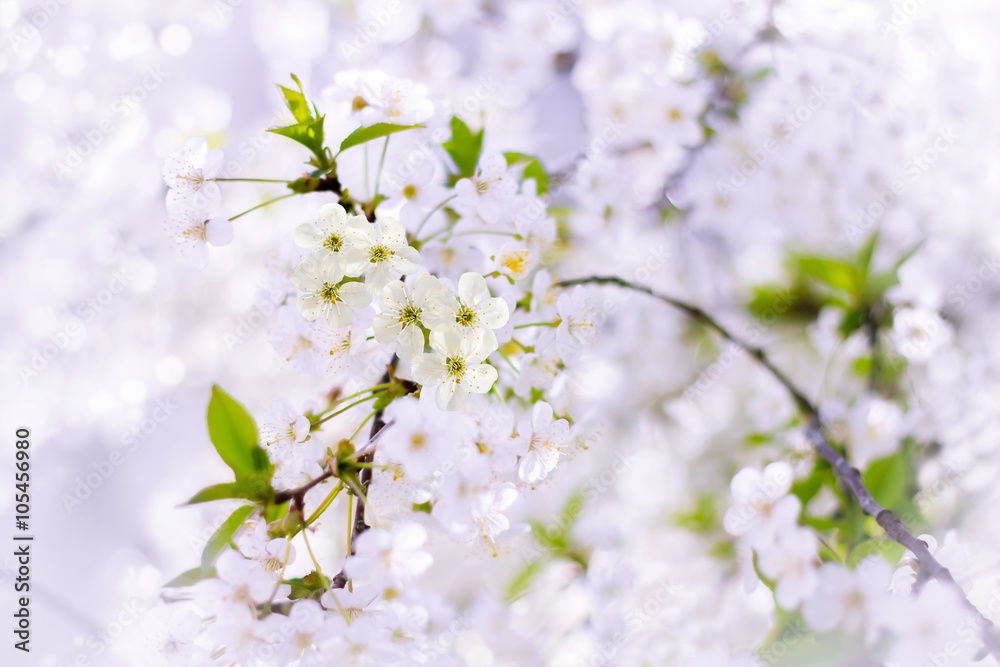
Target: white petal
[(410, 343), (219, 231), (472, 288)]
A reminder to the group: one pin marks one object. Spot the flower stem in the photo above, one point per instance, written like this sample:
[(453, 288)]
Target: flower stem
[(269, 201), (344, 409), (249, 180)]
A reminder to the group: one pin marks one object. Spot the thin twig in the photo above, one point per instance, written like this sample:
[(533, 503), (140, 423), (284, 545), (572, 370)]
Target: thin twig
[(930, 567)]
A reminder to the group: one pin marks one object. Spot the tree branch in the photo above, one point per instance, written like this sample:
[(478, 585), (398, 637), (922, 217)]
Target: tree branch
[(930, 567)]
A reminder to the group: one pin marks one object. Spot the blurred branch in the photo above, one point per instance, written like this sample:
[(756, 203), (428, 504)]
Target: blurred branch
[(850, 476)]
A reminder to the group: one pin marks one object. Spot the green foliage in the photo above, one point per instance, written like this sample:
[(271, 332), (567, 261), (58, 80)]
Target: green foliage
[(256, 489), (190, 577), (308, 127), (234, 435), (703, 519), (522, 582), (223, 536), (312, 586), (464, 149), (363, 135), (533, 169), (890, 479)]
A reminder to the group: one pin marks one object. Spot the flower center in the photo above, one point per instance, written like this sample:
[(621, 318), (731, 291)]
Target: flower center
[(410, 191), (409, 315), (358, 103), (418, 441), (516, 262), (333, 242), (379, 253), (466, 316), (328, 292), (455, 366), (674, 115)]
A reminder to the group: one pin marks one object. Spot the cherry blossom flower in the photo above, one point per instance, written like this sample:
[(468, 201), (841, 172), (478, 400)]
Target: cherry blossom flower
[(189, 173), (473, 312), (762, 506), (324, 295), (330, 234), (193, 234), (403, 313), (455, 366), (541, 439), (379, 252), (391, 557)]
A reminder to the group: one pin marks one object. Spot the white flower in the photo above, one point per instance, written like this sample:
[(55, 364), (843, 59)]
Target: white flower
[(472, 312), (346, 352), (516, 260), (389, 557), (194, 233), (761, 505), (379, 252), (422, 437), (875, 426), (576, 318), (268, 553), (850, 599), (330, 233), (791, 561), (189, 173), (490, 192), (239, 582), (487, 511), (542, 437), (455, 367), (398, 101), (323, 293), (403, 311), (936, 628), (918, 333)]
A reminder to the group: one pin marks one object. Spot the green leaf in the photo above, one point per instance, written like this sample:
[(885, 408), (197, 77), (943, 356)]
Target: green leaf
[(308, 127), (365, 134), (703, 519), (464, 147), (889, 479), (312, 586), (257, 489), (297, 102), (223, 536), (522, 582), (234, 435), (865, 255), (190, 577), (836, 274), (533, 169)]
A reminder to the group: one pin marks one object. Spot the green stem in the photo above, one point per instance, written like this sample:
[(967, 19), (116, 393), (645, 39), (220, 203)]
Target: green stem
[(381, 162), (269, 201), (344, 409), (324, 505), (319, 571), (250, 180), (428, 217), (361, 425), (536, 324)]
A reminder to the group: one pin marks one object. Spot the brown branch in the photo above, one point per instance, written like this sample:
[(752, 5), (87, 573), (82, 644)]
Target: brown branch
[(930, 567)]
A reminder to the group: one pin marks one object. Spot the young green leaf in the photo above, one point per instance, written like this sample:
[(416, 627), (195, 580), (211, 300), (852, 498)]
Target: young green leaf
[(363, 135), (221, 537), (234, 435), (464, 147), (533, 169), (257, 489), (190, 577)]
